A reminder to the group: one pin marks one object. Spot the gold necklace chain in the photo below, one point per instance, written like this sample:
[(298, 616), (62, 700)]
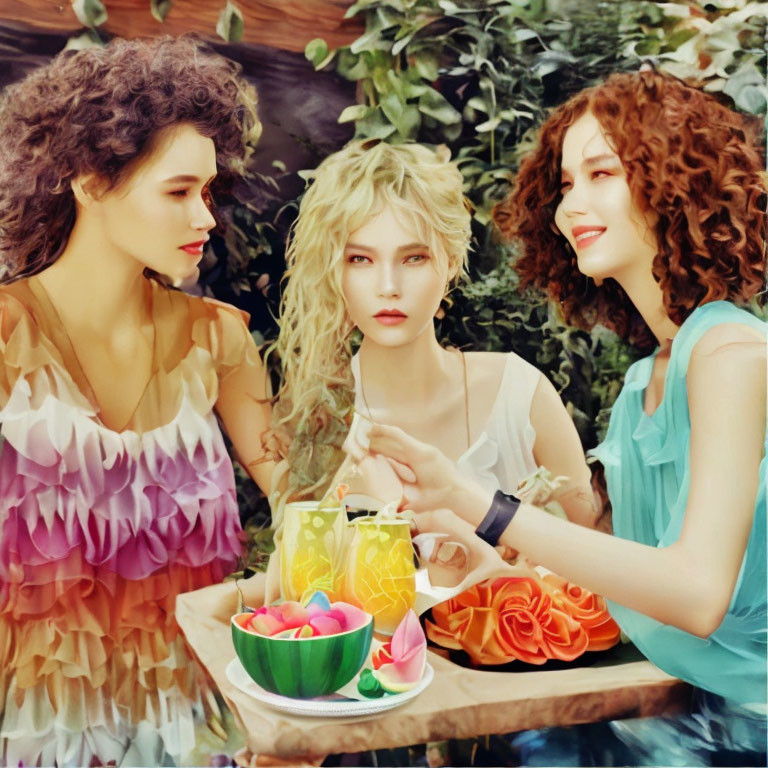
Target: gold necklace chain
[(466, 393)]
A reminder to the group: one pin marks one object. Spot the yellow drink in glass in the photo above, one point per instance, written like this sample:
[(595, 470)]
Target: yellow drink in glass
[(312, 551), (381, 576)]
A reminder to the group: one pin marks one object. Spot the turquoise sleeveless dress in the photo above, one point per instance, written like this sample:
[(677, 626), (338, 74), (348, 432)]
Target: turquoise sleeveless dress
[(647, 472), (646, 460)]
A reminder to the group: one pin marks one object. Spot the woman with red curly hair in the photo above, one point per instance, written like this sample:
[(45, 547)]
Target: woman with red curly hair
[(643, 208), (116, 489)]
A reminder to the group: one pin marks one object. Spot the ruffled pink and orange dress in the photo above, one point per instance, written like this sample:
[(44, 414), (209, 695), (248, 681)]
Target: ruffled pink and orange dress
[(100, 530)]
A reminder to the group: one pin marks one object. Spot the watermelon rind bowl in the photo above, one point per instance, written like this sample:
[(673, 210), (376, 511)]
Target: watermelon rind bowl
[(302, 668)]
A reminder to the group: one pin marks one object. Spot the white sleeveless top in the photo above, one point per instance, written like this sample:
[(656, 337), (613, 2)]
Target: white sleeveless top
[(502, 454)]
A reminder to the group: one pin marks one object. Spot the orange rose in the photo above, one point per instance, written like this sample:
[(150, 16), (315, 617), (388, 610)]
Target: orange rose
[(509, 618), (588, 609)]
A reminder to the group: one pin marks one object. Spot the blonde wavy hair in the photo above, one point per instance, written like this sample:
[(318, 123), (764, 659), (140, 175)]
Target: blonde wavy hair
[(314, 404)]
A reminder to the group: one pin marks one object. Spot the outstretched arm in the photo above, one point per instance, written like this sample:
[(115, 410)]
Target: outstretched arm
[(687, 584)]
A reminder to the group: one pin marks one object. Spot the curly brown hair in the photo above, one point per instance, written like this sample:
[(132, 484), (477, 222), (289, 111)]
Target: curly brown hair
[(98, 111), (694, 163)]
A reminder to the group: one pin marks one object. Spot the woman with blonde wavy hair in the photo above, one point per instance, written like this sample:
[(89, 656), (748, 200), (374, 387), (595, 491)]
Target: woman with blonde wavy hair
[(383, 233)]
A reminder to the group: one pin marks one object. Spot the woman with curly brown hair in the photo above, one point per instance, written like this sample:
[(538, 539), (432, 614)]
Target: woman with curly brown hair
[(643, 208), (116, 489)]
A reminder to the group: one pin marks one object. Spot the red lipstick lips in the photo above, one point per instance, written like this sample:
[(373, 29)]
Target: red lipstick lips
[(390, 316), (194, 249), (586, 235)]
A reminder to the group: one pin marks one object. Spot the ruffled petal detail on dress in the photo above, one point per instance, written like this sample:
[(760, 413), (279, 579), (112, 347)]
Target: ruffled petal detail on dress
[(100, 531), (107, 656), (130, 510)]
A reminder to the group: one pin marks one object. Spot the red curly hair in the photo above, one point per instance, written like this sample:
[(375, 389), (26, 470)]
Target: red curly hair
[(695, 164), (98, 111)]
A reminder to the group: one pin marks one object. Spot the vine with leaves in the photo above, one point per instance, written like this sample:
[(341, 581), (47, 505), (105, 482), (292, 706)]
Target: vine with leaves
[(93, 13)]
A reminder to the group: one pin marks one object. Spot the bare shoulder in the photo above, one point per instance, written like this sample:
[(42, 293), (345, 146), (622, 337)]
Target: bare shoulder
[(731, 357), (729, 337)]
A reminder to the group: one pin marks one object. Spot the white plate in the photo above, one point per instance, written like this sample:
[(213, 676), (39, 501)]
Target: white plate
[(323, 706)]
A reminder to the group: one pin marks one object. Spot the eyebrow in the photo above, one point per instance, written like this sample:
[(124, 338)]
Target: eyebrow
[(597, 159), (409, 247), (590, 162), (185, 179)]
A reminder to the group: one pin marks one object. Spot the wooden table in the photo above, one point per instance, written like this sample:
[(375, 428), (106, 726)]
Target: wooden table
[(460, 702)]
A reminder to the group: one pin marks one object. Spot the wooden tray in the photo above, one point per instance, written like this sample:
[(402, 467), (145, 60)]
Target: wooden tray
[(459, 703)]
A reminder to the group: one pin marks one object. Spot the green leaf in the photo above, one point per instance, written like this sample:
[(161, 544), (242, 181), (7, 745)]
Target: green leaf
[(357, 7), (160, 8), (352, 66), (649, 46), (89, 39), (316, 51), (327, 60), (405, 117), (550, 61), (400, 44), (380, 80), (392, 106), (414, 90), (436, 106), (374, 126), (230, 24), (479, 104), (676, 39), (367, 42), (354, 113), (512, 114), (398, 83), (452, 132), (652, 14), (386, 19), (488, 125), (747, 89), (90, 13), (521, 35), (425, 65)]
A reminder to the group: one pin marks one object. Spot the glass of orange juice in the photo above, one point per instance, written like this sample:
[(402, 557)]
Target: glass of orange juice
[(381, 575), (313, 550)]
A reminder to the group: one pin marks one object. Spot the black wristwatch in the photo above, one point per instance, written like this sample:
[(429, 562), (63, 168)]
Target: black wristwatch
[(499, 516)]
